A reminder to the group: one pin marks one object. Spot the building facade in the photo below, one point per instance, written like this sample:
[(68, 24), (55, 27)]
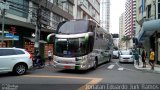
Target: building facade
[(87, 9), (105, 14), (121, 31), (20, 22), (148, 15), (130, 20), (130, 17)]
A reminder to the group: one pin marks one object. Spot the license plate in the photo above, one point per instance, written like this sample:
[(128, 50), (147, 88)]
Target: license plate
[(126, 60), (67, 67)]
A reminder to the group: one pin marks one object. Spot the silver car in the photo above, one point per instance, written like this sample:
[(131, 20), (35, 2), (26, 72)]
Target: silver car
[(126, 56)]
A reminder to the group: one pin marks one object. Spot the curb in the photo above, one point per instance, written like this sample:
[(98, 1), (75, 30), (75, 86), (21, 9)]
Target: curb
[(146, 69)]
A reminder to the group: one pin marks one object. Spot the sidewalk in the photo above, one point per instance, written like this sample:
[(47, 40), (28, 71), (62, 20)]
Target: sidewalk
[(148, 67)]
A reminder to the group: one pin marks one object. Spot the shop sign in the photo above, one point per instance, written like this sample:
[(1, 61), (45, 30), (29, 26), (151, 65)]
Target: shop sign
[(9, 35), (16, 37)]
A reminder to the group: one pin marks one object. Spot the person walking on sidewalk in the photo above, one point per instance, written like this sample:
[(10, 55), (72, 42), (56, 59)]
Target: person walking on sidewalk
[(50, 57), (144, 54), (136, 56), (151, 59)]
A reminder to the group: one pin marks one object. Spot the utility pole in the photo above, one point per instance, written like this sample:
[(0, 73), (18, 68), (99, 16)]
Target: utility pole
[(3, 6), (37, 29)]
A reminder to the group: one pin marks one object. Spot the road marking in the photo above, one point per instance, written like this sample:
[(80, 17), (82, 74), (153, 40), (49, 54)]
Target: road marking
[(110, 67), (126, 68), (120, 69), (92, 82)]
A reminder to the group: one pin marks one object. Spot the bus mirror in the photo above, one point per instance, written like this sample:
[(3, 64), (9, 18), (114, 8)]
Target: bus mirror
[(49, 36)]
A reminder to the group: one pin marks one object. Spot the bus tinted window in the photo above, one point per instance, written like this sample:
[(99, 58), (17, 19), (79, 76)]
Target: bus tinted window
[(72, 27)]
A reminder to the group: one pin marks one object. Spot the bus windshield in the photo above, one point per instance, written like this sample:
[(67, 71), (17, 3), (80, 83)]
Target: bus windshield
[(71, 47), (73, 27)]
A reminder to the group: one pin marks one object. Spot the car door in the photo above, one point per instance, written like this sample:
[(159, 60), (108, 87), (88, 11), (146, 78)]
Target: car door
[(1, 60), (7, 60)]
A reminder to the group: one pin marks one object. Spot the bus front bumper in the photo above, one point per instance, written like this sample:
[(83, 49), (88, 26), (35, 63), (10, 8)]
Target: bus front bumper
[(71, 66)]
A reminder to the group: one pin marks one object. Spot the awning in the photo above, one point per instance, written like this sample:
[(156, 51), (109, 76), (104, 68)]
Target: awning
[(148, 28), (33, 40)]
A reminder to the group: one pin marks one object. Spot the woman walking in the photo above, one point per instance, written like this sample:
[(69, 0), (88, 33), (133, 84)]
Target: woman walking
[(144, 54), (151, 59)]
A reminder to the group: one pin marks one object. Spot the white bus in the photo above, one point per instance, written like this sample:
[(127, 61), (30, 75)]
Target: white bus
[(81, 44)]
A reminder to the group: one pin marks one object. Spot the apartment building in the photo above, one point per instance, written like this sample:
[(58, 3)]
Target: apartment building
[(87, 9), (122, 31), (105, 14), (130, 17), (20, 21)]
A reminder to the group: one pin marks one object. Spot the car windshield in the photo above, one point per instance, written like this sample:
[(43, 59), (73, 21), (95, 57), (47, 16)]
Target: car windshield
[(125, 52), (115, 52)]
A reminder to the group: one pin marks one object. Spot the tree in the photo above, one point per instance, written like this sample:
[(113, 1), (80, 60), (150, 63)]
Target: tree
[(126, 39), (115, 48)]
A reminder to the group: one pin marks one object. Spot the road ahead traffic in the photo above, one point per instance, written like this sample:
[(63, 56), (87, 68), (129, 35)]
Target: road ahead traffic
[(107, 74)]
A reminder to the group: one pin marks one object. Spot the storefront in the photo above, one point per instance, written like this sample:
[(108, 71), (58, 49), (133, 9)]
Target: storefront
[(22, 37), (149, 37)]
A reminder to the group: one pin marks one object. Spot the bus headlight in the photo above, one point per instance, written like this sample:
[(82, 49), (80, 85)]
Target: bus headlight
[(84, 59), (81, 59)]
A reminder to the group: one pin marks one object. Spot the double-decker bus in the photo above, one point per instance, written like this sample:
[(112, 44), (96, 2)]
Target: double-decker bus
[(81, 44)]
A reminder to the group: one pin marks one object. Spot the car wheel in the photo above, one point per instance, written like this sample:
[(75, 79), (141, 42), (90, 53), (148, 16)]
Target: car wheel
[(20, 69)]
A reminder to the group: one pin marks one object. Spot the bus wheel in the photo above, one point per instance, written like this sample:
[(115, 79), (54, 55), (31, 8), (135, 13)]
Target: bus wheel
[(95, 63)]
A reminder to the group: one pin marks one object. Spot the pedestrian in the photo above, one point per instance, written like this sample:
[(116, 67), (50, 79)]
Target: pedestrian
[(144, 54), (136, 56), (38, 59), (151, 59), (49, 56)]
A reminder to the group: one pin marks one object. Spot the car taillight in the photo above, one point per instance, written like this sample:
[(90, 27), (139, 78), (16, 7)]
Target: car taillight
[(30, 55)]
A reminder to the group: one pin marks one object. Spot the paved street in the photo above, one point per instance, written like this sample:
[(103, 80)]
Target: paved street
[(110, 73)]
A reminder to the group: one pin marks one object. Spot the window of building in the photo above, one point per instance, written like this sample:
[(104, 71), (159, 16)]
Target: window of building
[(158, 9), (70, 8), (45, 15), (19, 7), (55, 20), (85, 3)]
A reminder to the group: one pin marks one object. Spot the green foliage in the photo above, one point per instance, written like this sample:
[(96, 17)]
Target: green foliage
[(115, 48), (126, 40)]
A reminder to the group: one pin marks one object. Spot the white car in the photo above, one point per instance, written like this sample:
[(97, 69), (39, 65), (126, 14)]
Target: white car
[(126, 56), (15, 60), (115, 54)]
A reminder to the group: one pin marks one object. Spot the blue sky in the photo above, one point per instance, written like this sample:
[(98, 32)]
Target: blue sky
[(117, 8)]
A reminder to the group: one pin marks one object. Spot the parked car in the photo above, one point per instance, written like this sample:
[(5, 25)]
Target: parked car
[(115, 54), (126, 56), (15, 60)]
